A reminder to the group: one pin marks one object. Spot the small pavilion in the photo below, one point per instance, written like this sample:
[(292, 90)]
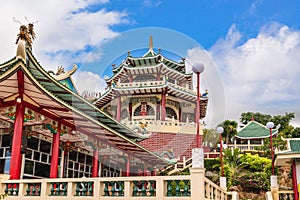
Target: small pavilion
[(253, 134)]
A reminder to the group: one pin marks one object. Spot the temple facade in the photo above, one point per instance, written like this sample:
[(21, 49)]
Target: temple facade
[(153, 95)]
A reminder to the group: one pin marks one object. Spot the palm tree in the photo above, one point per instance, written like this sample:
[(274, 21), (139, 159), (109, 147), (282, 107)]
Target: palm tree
[(229, 129), (233, 159)]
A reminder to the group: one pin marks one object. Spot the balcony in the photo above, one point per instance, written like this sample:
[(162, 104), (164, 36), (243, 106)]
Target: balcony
[(162, 126)]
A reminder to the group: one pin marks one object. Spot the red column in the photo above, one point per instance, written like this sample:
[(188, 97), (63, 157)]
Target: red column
[(130, 111), (179, 114), (158, 75), (16, 158), (128, 167), (294, 178), (119, 109), (55, 153), (198, 111), (95, 168), (163, 106), (221, 156)]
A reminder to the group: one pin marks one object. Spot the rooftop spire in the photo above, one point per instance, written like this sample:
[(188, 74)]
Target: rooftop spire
[(150, 43)]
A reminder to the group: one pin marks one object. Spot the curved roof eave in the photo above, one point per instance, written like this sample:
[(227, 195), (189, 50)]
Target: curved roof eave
[(261, 137), (83, 114)]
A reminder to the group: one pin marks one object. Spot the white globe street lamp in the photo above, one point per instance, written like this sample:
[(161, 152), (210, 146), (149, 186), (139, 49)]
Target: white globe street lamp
[(270, 126), (198, 68)]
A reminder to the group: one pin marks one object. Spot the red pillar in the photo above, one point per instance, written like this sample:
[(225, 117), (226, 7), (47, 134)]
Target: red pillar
[(119, 109), (128, 167), (16, 158), (163, 106), (198, 111), (130, 111), (221, 156), (294, 178), (55, 153), (179, 115), (158, 75), (95, 168)]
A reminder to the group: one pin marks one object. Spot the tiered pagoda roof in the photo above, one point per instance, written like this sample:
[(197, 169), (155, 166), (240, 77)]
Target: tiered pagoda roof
[(151, 63)]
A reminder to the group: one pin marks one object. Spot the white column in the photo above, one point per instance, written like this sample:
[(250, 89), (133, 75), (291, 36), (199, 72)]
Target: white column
[(223, 183), (298, 172), (197, 174), (61, 173), (22, 166)]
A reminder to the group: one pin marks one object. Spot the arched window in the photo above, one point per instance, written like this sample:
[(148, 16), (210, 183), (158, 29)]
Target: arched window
[(143, 110), (170, 112)]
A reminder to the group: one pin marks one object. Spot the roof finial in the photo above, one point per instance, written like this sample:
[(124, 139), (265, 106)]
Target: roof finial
[(150, 43), (252, 118)]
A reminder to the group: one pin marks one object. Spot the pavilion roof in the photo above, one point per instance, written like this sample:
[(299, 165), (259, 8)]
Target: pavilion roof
[(255, 130), (44, 94), (285, 157)]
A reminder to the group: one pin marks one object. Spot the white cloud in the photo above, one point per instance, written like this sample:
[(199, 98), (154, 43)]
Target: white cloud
[(261, 74), (65, 31), (151, 3), (210, 79), (89, 81)]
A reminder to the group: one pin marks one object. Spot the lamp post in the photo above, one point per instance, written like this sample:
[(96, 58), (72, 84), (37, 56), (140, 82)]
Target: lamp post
[(220, 130), (223, 184), (198, 69), (270, 125)]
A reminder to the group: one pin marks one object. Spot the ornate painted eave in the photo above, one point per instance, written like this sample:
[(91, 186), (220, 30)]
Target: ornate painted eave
[(125, 69), (156, 87), (47, 96), (255, 130)]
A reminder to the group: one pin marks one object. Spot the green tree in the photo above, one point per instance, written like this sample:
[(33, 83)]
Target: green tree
[(296, 133), (210, 136), (233, 163), (229, 129), (283, 120)]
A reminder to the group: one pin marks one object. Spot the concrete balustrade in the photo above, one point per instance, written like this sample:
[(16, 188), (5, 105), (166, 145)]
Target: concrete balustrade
[(190, 187), (162, 126)]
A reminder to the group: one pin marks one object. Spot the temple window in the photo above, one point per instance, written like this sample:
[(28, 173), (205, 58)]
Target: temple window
[(171, 113), (144, 110)]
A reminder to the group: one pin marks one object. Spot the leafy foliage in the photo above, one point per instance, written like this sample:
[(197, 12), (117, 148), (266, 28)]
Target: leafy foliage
[(277, 143), (252, 172), (229, 129)]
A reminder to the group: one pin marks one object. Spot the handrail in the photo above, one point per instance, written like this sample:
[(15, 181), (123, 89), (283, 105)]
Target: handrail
[(149, 187)]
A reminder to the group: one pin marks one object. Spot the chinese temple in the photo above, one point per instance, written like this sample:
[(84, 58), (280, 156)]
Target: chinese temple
[(47, 130), (153, 95)]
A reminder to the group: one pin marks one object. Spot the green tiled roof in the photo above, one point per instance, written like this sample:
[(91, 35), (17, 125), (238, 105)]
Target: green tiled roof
[(295, 145), (77, 102), (255, 130)]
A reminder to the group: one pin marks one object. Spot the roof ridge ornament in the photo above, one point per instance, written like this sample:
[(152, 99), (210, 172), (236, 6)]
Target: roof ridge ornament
[(26, 32), (24, 38), (150, 43)]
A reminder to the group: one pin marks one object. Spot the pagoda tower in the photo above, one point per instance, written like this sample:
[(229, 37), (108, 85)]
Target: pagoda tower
[(153, 95)]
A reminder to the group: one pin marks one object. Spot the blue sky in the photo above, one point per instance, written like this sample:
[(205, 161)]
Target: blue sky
[(251, 49), (207, 21)]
